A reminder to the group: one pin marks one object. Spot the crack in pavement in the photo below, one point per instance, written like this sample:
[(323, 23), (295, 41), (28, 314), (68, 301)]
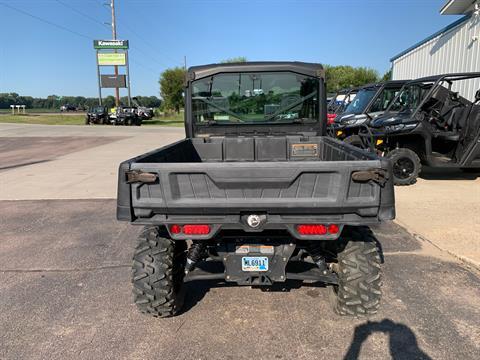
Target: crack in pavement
[(106, 267)]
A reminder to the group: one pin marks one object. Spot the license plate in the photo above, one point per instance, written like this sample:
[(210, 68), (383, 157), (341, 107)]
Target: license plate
[(254, 263)]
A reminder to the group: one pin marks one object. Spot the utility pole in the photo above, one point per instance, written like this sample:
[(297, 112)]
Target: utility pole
[(114, 37), (185, 62)]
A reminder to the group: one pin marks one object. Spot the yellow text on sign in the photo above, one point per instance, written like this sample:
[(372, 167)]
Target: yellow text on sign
[(110, 59)]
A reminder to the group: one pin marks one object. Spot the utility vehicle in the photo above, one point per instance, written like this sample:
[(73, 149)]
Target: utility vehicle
[(143, 112), (97, 115), (125, 115), (67, 108), (371, 101), (430, 123), (256, 194), (339, 102)]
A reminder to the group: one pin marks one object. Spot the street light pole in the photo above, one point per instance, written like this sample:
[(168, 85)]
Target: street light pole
[(114, 37)]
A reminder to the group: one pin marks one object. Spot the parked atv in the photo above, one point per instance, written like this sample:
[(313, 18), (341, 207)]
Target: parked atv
[(339, 102), (126, 116), (97, 115), (145, 113), (370, 102), (256, 194), (429, 123)]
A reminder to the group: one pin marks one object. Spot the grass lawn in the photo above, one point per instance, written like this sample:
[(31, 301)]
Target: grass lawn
[(60, 119), (31, 111), (44, 119)]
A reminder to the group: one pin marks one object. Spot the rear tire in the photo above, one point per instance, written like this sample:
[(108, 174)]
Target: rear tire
[(157, 273), (406, 166), (354, 140), (358, 292)]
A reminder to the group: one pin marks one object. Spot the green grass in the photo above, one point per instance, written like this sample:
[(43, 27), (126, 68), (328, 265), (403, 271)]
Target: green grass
[(44, 119), (60, 119), (164, 122), (30, 111)]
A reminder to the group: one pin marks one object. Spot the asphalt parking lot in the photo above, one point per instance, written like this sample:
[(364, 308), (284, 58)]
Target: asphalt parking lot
[(65, 293), (65, 272)]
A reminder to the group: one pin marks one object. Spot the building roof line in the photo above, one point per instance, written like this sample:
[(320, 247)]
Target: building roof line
[(433, 36)]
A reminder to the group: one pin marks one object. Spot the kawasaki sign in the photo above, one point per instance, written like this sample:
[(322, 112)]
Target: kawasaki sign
[(110, 44)]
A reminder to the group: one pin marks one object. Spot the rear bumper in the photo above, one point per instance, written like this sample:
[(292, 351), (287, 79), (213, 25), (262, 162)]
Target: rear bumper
[(286, 223)]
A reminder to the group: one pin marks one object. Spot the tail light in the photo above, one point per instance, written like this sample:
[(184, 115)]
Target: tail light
[(190, 229), (196, 229), (175, 229), (331, 118), (333, 229), (318, 229)]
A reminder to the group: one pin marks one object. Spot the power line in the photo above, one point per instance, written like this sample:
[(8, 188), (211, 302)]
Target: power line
[(82, 13), (147, 42), (46, 21)]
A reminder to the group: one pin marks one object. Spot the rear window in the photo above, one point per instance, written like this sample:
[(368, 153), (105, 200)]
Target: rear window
[(255, 98)]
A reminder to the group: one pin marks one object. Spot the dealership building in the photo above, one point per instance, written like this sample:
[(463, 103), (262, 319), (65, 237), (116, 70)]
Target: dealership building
[(455, 48)]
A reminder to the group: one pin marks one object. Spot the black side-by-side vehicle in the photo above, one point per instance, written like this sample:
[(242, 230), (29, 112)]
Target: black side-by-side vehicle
[(429, 123), (370, 102), (97, 115), (339, 102), (256, 194)]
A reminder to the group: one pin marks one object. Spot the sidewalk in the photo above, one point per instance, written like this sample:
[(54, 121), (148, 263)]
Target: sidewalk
[(445, 209)]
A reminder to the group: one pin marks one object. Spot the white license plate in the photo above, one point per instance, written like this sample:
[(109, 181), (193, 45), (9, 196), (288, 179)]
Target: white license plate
[(254, 263)]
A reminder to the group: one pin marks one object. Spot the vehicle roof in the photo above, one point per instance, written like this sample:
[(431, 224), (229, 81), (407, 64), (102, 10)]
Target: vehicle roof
[(386, 82), (450, 76), (310, 69)]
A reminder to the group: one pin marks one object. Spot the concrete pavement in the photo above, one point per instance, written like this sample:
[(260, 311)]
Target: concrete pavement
[(444, 207), (85, 174), (65, 292)]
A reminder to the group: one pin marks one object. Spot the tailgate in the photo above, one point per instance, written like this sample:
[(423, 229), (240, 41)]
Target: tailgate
[(307, 187)]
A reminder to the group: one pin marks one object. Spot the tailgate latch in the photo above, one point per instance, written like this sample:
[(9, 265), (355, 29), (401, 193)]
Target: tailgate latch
[(134, 176), (376, 175)]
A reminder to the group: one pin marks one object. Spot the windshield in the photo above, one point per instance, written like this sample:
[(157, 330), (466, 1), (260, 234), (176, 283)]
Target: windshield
[(255, 98), (409, 98), (98, 109), (361, 100)]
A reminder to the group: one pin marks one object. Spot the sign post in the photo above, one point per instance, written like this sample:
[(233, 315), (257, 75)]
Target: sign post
[(108, 54)]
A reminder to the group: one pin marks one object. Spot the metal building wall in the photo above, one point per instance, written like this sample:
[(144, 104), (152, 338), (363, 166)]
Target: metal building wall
[(452, 51)]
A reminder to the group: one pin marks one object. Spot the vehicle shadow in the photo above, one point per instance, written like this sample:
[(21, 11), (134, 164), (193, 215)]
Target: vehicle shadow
[(448, 174), (196, 290), (402, 340)]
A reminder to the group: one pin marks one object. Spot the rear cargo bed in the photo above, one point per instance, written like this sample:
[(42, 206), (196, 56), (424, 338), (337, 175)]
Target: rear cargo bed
[(284, 176)]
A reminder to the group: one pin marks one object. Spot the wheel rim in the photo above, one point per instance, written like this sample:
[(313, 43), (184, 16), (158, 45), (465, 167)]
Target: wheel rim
[(403, 168)]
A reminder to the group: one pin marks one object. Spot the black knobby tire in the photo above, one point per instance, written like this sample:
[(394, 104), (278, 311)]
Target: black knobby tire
[(87, 121), (358, 292), (406, 166), (157, 273), (354, 140)]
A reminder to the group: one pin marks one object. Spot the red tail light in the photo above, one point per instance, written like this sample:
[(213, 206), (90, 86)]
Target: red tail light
[(196, 229), (331, 118), (190, 229), (175, 229), (318, 229), (312, 229), (333, 229)]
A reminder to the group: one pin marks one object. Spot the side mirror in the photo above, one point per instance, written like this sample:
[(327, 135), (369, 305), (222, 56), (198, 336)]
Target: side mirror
[(477, 96)]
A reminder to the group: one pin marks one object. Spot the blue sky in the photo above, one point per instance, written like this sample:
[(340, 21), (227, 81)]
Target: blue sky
[(39, 59)]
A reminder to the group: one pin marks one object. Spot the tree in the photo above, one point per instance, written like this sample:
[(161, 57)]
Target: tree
[(237, 59), (171, 88), (345, 76), (387, 76)]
